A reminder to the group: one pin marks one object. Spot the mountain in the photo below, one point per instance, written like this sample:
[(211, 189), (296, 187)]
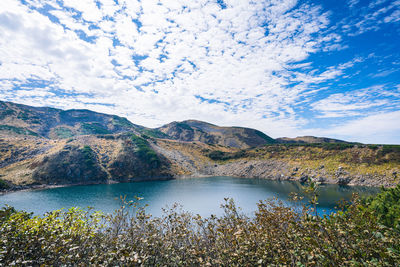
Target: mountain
[(46, 122), (17, 119), (308, 140), (192, 130), (42, 146)]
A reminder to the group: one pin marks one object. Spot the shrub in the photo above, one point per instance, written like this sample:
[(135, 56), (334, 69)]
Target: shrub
[(145, 152), (94, 128), (276, 235), (63, 132), (386, 206), (88, 156), (17, 130), (3, 184), (223, 156), (121, 122)]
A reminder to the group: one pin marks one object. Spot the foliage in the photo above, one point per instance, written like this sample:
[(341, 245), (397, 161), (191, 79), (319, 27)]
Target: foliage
[(88, 156), (276, 235), (17, 130), (265, 137), (335, 154), (326, 146), (63, 132), (27, 116), (222, 156), (386, 206), (145, 152), (5, 112), (122, 122), (76, 115), (106, 136), (184, 126), (3, 184), (94, 128), (154, 133)]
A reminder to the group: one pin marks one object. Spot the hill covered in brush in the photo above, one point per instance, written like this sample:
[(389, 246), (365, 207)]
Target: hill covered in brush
[(42, 146)]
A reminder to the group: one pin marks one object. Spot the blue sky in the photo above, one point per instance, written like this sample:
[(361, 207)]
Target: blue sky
[(286, 67)]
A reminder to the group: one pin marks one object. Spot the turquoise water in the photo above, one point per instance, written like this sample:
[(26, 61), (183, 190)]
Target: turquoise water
[(198, 195)]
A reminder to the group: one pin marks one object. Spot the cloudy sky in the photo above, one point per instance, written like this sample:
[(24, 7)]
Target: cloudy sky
[(286, 67)]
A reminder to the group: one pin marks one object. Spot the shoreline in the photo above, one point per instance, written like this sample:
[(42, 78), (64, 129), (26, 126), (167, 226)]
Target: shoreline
[(50, 186), (180, 177)]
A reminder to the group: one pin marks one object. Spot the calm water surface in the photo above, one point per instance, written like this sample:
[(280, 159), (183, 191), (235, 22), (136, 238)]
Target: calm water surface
[(198, 195)]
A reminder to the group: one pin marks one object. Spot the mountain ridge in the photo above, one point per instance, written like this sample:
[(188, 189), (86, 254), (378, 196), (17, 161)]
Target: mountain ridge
[(58, 123), (47, 146)]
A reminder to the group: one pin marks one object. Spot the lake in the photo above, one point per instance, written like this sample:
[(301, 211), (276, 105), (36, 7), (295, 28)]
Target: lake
[(198, 195)]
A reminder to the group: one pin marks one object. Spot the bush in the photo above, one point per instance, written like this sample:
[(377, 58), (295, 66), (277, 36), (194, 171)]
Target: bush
[(94, 128), (89, 156), (223, 156), (386, 206), (63, 132), (145, 152), (3, 185), (17, 130), (276, 235)]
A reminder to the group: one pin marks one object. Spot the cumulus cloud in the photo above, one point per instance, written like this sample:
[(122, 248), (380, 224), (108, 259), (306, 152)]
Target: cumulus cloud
[(236, 63)]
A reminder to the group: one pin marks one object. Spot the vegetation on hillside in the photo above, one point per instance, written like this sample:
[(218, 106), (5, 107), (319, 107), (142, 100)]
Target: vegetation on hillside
[(355, 158), (265, 137), (17, 130), (386, 206), (94, 128), (275, 236), (121, 122), (145, 152), (3, 185), (63, 132), (154, 133)]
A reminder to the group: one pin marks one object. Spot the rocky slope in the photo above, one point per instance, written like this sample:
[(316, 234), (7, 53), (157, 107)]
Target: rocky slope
[(44, 146), (308, 140), (345, 164), (192, 130), (17, 119)]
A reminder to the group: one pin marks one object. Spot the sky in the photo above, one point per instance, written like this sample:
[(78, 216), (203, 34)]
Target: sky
[(285, 67)]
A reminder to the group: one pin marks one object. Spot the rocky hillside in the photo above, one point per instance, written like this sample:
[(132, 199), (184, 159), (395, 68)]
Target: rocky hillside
[(192, 130), (17, 119), (29, 160), (308, 140), (45, 146)]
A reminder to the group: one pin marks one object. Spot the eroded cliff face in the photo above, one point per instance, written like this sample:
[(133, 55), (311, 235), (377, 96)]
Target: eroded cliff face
[(71, 165), (82, 160)]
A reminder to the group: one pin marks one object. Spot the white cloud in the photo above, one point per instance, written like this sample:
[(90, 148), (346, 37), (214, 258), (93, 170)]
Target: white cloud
[(371, 18), (369, 129), (153, 61), (356, 103)]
